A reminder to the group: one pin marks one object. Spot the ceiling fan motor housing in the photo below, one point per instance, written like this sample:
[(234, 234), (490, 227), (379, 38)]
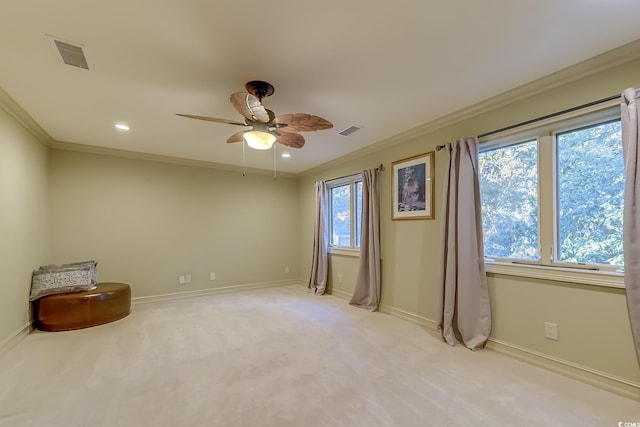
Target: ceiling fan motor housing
[(259, 89)]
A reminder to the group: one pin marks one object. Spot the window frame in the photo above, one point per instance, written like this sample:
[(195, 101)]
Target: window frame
[(350, 180), (546, 266)]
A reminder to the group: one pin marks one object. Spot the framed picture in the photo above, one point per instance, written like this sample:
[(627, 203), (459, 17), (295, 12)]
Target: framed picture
[(412, 187)]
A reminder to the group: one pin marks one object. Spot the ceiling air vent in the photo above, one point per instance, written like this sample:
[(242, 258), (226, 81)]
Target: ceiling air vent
[(349, 130), (70, 53)]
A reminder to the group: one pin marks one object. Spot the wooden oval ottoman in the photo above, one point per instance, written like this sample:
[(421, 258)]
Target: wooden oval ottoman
[(76, 310)]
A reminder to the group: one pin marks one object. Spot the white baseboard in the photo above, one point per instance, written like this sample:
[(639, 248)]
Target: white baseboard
[(13, 339), (602, 380), (428, 324), (340, 294), (213, 291), (599, 379), (393, 311)]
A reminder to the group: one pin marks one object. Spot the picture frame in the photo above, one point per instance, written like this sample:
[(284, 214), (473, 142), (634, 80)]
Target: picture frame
[(412, 187)]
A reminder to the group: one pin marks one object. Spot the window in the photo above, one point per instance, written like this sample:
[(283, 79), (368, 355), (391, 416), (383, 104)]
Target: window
[(553, 195), (345, 212), (590, 192), (509, 193)]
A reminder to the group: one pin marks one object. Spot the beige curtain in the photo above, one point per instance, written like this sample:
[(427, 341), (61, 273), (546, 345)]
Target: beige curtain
[(464, 311), (631, 216), (319, 263), (367, 291)]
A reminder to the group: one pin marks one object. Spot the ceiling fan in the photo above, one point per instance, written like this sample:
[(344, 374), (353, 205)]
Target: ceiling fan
[(263, 128)]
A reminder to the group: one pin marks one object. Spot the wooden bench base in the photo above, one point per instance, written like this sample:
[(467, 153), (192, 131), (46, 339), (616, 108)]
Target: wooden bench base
[(77, 310)]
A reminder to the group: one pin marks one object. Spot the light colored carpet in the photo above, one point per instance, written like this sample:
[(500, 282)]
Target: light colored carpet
[(281, 357)]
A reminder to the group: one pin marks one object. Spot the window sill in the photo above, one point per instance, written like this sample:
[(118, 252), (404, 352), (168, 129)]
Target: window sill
[(344, 252), (610, 279)]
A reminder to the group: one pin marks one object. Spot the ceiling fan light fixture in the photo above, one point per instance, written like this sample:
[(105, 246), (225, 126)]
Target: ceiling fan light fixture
[(259, 140)]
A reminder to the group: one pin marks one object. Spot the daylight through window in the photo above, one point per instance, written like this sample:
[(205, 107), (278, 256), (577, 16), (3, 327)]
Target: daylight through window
[(554, 195), (345, 212)]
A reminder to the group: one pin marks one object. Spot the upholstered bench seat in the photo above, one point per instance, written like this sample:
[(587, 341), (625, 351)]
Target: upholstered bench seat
[(76, 310)]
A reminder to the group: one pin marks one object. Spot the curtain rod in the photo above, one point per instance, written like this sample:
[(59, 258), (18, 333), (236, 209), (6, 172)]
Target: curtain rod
[(548, 116), (380, 168)]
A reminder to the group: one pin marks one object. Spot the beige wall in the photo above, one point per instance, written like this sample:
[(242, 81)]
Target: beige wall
[(146, 222), (593, 322), (23, 216)]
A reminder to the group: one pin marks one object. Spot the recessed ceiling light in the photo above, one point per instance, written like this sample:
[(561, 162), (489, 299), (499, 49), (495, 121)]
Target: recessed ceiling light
[(286, 155), (122, 126)]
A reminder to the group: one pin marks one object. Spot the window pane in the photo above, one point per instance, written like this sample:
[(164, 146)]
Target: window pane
[(340, 215), (590, 181), (358, 213), (509, 193)]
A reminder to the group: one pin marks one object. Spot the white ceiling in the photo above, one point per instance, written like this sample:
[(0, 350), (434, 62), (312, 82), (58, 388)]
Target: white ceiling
[(386, 66)]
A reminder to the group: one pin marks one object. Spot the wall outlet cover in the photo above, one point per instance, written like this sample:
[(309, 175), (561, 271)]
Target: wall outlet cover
[(551, 331)]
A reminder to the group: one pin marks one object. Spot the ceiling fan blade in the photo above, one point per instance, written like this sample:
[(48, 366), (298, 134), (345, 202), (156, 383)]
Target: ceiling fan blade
[(301, 122), (249, 106), (236, 137), (213, 119), (290, 139)]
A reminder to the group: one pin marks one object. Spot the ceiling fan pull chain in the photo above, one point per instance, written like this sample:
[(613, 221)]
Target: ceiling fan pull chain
[(243, 168), (275, 149)]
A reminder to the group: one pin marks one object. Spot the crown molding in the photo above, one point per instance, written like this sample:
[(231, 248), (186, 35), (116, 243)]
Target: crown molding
[(8, 104), (621, 55), (93, 149), (17, 112), (613, 58)]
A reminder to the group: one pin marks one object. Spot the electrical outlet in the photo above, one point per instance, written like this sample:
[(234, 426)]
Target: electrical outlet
[(187, 278), (286, 269), (339, 278), (551, 331), (212, 276), (181, 280)]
